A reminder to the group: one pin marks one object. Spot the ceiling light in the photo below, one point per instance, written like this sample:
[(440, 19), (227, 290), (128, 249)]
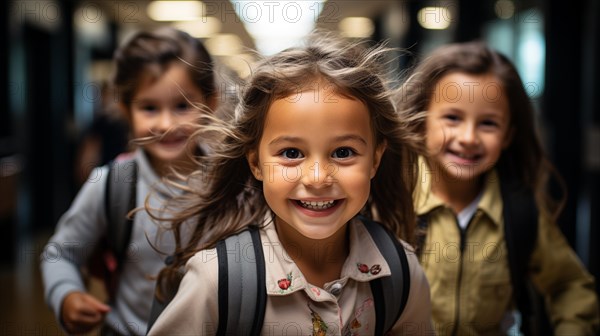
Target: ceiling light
[(175, 10), (434, 17), (505, 9), (277, 25), (357, 27)]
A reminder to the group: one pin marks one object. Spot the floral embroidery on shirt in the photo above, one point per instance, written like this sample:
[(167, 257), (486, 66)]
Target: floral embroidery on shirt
[(374, 270), (316, 290), (363, 268), (285, 283), (356, 327), (318, 325)]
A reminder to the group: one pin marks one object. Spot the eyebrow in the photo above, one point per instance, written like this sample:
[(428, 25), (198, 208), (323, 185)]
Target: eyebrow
[(341, 138), (152, 100), (485, 113), (494, 113)]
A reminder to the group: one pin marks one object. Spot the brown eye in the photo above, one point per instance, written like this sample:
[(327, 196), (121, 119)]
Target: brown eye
[(451, 117), (291, 153), (148, 108), (489, 123), (342, 153)]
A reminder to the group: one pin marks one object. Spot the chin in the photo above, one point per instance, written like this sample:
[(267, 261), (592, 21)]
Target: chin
[(319, 233), (169, 155)]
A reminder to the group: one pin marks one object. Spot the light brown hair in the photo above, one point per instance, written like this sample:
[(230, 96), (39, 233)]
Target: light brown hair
[(233, 198)]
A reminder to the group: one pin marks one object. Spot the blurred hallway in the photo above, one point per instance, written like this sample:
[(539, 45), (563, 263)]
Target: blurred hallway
[(23, 310)]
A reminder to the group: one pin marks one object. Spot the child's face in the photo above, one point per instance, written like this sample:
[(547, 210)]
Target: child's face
[(467, 126), (159, 106), (316, 159)]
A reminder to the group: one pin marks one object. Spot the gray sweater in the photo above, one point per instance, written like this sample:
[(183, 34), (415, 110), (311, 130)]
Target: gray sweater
[(81, 227)]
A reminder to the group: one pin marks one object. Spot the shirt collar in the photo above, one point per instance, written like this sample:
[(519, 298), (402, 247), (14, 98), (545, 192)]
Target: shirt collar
[(426, 201), (283, 277), (491, 201)]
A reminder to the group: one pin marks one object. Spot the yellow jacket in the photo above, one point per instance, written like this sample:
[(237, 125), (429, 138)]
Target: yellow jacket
[(469, 276)]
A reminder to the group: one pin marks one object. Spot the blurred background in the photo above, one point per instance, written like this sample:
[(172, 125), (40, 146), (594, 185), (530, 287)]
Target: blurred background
[(57, 57)]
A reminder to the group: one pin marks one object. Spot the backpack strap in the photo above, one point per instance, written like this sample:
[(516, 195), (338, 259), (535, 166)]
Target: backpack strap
[(157, 307), (520, 231), (242, 291), (241, 287), (119, 200), (421, 234), (389, 293)]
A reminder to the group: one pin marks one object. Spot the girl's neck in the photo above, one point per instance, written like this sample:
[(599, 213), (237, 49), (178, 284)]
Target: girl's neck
[(181, 166), (319, 260), (163, 169), (457, 194)]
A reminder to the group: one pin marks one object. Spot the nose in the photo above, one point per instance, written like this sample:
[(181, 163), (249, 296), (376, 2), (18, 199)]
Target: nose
[(165, 121), (317, 174), (468, 135)]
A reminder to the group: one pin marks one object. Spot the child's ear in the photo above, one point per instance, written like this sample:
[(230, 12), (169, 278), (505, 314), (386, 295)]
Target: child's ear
[(252, 158), (379, 150)]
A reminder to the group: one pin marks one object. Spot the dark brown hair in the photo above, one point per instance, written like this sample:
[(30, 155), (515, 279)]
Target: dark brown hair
[(524, 160), (150, 53)]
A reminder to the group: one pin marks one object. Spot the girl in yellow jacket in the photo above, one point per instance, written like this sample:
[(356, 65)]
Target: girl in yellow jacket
[(477, 126)]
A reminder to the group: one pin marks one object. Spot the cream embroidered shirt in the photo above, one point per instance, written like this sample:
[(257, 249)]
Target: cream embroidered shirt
[(294, 306)]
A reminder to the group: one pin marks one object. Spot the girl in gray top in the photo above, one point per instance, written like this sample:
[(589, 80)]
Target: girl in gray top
[(164, 82)]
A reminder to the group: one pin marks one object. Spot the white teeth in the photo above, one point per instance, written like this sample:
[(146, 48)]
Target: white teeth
[(461, 155), (317, 205)]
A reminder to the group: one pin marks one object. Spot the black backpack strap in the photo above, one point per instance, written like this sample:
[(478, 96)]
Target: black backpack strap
[(242, 291), (159, 305), (389, 293), (119, 200), (422, 225), (520, 230)]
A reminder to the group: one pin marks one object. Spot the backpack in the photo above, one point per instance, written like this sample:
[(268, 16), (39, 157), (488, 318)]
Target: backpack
[(242, 308), (105, 262), (520, 230)]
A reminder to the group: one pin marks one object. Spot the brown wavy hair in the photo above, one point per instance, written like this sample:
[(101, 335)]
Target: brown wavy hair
[(524, 161), (223, 197), (151, 53)]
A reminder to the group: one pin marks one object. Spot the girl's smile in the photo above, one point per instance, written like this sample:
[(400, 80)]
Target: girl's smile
[(173, 141), (316, 158), (161, 107), (466, 126), (462, 157), (317, 208)]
